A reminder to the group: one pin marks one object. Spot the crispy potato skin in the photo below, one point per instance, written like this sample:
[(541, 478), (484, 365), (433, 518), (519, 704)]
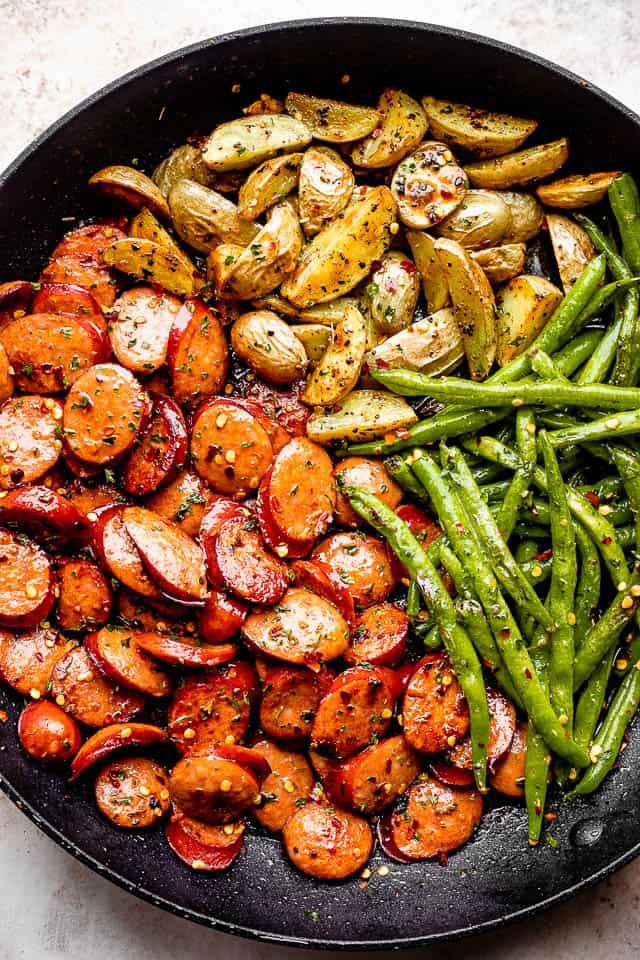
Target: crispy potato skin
[(332, 120), (269, 183), (524, 305), (245, 142), (339, 368), (402, 127), (268, 345), (520, 168), (571, 246), (483, 133), (577, 191), (363, 415), (325, 188)]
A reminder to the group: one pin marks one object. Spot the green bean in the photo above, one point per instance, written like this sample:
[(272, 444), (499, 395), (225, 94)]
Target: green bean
[(431, 638), (606, 294), (626, 365), (495, 492), (401, 473), (544, 366), (616, 513), (601, 360), (603, 428), (591, 701), (623, 197), (604, 633), (513, 499), (531, 530), (588, 587), (606, 488), (464, 659), (503, 625), (629, 656), (577, 351), (537, 761), (537, 571), (526, 551), (617, 264), (628, 463), (413, 600)]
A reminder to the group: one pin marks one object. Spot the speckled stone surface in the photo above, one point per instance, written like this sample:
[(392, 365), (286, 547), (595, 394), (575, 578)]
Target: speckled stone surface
[(52, 54)]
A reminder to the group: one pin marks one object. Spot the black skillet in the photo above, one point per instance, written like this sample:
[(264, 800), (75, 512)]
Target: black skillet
[(497, 877)]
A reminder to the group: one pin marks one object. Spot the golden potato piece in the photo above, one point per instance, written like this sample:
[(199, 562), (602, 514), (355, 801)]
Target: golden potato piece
[(339, 368), (578, 191), (363, 415), (204, 218), (527, 215), (220, 264), (501, 263), (144, 226), (520, 168), (186, 163), (572, 248), (269, 346), (428, 185), (269, 183), (315, 338), (329, 312), (473, 306), (393, 292), (248, 141), (481, 220), (132, 186), (325, 188), (482, 132), (341, 255), (402, 126), (273, 301), (524, 305), (434, 282), (433, 345), (332, 120), (152, 263)]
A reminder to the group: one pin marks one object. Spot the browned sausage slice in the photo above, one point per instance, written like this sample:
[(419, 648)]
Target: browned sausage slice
[(243, 565), (84, 600), (173, 560), (78, 260), (368, 474), (220, 509), (16, 298), (435, 713), (103, 412), (316, 576), (508, 775), (221, 617), (290, 698), (303, 628), (88, 498), (30, 444), (132, 792), (26, 581), (302, 492), (281, 404), (205, 846), (181, 653), (80, 689), (44, 513), (230, 448), (119, 554), (213, 789), (182, 500), (161, 449), (327, 843), (69, 300), (424, 528), (7, 378), (117, 653), (27, 660), (116, 736), (213, 708), (362, 564), (47, 733), (139, 328), (379, 636), (197, 353), (356, 711), (287, 786), (502, 727), (374, 778), (434, 819)]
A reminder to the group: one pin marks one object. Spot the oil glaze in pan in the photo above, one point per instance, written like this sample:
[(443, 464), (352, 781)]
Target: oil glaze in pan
[(497, 877)]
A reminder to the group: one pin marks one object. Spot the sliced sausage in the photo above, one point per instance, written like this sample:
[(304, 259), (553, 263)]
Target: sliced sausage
[(287, 786), (502, 727), (49, 352), (301, 492), (161, 449), (508, 773), (27, 660), (182, 500), (356, 711), (290, 698), (323, 766), (230, 448), (369, 474), (379, 636), (275, 538), (277, 435), (220, 509), (7, 376), (116, 736), (26, 581), (89, 498), (434, 819), (327, 843), (303, 628), (434, 711), (69, 300), (221, 617), (78, 260), (281, 404), (374, 778), (139, 327), (185, 653), (214, 708), (213, 789), (424, 528), (205, 846), (135, 612), (119, 554), (30, 444), (47, 733), (119, 656), (243, 565), (133, 792), (84, 596), (453, 776), (361, 563), (80, 689), (16, 298), (173, 560), (47, 515), (247, 757), (103, 412), (318, 577), (197, 353)]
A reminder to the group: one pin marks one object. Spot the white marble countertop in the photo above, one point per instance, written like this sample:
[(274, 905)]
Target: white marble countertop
[(52, 54)]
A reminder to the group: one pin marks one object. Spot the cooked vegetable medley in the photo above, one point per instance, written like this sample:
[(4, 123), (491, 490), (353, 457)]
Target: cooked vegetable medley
[(302, 447)]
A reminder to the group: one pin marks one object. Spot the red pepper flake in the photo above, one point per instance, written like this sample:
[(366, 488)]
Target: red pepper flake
[(402, 433), (505, 632), (408, 266), (593, 498), (538, 809), (527, 673), (545, 555), (550, 817), (4, 716), (606, 541)]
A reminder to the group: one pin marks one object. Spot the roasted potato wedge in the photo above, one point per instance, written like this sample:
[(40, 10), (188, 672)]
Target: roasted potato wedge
[(401, 128), (152, 263), (269, 346), (527, 216), (520, 168), (523, 306), (248, 141), (338, 370), (340, 256), (432, 345), (278, 304), (393, 292), (428, 185), (482, 132), (204, 218), (363, 415), (324, 189), (482, 220), (144, 226), (269, 183), (473, 305), (434, 282), (501, 263), (220, 264), (329, 312), (315, 338), (132, 186), (578, 191), (271, 255), (332, 120), (186, 163), (572, 248)]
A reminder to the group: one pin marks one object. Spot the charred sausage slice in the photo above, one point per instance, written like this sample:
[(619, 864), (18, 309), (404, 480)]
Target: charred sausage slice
[(290, 698), (213, 789), (116, 736), (84, 598), (316, 576), (434, 711), (230, 448), (80, 689), (285, 788), (434, 819), (7, 377), (502, 727), (139, 328), (67, 299), (369, 474), (221, 617), (89, 498), (119, 554), (47, 515), (205, 846), (27, 660), (213, 708), (182, 653), (161, 449), (374, 778), (47, 733), (356, 711), (182, 500), (508, 774), (132, 792), (301, 492), (173, 560), (30, 444), (118, 654), (424, 528), (197, 353), (361, 563), (327, 843), (243, 565), (380, 635), (26, 581), (78, 260)]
